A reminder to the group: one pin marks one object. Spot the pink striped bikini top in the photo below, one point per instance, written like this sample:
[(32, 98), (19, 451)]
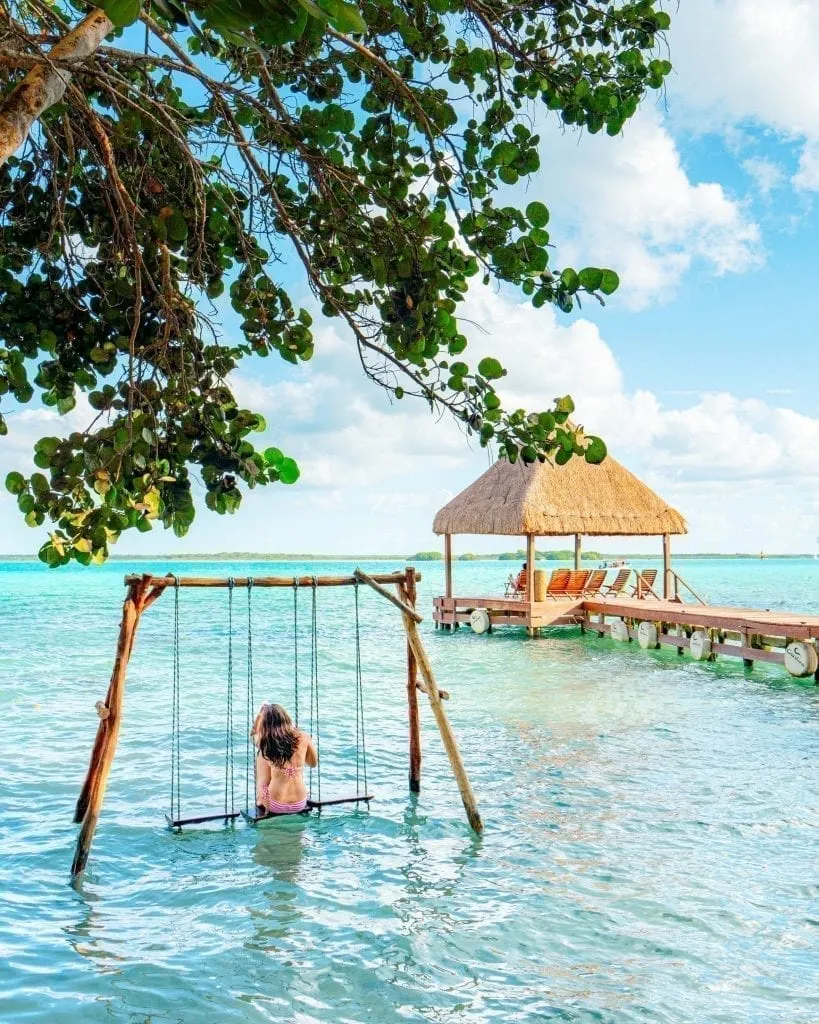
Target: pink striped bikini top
[(290, 771)]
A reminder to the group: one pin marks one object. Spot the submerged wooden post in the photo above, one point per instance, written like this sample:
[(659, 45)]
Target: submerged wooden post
[(530, 579), (578, 550), (414, 717), (451, 747), (667, 582), (140, 595)]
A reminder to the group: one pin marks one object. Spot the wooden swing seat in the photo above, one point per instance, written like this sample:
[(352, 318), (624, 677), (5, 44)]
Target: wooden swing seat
[(201, 819), (255, 815)]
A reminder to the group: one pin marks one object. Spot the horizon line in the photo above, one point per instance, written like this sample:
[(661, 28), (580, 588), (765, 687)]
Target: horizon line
[(425, 556)]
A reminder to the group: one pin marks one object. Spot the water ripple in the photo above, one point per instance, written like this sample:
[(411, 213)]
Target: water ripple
[(650, 851)]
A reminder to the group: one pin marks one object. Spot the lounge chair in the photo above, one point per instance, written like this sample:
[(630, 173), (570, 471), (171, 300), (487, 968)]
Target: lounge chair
[(645, 584), (577, 582), (556, 587), (516, 585), (619, 584), (596, 582)]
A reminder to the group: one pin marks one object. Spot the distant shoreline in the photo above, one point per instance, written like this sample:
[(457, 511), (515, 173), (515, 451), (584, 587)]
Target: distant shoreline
[(247, 556)]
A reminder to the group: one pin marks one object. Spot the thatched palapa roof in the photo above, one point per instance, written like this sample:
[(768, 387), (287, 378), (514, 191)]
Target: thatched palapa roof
[(548, 500)]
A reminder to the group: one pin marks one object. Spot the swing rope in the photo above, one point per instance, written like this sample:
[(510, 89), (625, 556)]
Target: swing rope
[(314, 692), (229, 710), (360, 740), (296, 650), (175, 725), (251, 703)]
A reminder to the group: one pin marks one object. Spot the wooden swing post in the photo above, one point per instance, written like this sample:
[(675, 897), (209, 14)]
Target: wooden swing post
[(141, 595), (414, 717), (445, 729), (411, 619)]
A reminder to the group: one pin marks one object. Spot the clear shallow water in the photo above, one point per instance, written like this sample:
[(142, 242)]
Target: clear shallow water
[(651, 824)]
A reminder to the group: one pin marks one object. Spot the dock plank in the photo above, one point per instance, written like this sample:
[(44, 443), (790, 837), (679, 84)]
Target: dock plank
[(750, 620)]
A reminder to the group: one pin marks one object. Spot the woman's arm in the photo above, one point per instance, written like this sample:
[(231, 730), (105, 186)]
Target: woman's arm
[(257, 721), (310, 752), (262, 778)]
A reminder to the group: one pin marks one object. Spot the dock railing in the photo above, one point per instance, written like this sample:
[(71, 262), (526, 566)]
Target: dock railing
[(678, 582)]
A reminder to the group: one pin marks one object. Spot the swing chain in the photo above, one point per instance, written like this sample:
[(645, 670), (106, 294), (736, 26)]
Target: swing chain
[(314, 690), (360, 741), (296, 649), (251, 703), (175, 704), (229, 711)]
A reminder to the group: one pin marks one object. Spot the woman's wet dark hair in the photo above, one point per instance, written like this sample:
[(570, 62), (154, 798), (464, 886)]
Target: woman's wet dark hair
[(276, 736)]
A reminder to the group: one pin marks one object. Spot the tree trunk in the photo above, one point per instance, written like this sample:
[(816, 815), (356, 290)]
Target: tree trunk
[(45, 84)]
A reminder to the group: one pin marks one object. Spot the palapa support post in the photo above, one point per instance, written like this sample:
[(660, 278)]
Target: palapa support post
[(667, 580), (441, 720), (530, 579), (578, 551), (448, 564), (141, 594), (448, 575), (414, 717)]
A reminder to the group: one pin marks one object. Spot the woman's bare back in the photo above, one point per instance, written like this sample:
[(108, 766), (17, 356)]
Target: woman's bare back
[(285, 783)]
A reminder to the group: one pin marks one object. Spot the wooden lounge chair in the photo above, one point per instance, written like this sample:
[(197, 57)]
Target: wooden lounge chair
[(596, 582), (619, 584), (516, 585), (556, 587), (577, 582), (645, 584)]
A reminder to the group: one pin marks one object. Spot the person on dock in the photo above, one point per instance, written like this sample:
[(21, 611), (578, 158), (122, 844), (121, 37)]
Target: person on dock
[(282, 752)]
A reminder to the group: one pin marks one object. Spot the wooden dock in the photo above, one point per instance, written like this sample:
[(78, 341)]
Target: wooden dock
[(704, 631)]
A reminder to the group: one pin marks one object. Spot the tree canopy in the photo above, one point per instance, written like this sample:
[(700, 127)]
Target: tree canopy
[(160, 160)]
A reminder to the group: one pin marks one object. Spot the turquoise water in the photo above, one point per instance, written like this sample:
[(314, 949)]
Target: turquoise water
[(650, 851)]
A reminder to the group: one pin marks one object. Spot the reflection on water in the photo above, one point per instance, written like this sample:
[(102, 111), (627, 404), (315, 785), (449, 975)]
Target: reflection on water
[(650, 851)]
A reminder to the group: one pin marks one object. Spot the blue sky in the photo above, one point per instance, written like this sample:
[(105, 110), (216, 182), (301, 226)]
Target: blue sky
[(699, 374)]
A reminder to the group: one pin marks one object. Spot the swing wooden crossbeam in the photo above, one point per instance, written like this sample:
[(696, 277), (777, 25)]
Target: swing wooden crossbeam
[(145, 589), (307, 582)]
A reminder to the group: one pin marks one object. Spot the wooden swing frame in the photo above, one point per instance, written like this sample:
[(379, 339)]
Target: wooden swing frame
[(143, 591)]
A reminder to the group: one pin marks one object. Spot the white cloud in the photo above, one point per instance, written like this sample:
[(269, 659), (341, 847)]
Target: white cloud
[(740, 469), (806, 178), (28, 424), (630, 204), (766, 174), (749, 62)]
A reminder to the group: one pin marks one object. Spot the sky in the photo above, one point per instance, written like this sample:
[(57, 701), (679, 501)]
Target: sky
[(700, 373)]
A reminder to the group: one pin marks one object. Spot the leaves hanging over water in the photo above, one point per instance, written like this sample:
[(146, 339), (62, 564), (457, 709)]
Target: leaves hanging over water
[(370, 145)]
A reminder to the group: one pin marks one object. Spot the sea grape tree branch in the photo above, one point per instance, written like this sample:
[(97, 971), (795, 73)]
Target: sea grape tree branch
[(147, 192), (45, 84)]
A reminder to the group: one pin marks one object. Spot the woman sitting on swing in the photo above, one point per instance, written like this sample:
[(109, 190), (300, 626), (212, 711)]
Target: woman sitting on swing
[(283, 751)]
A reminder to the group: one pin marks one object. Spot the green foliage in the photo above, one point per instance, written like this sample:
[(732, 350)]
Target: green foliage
[(426, 556), (262, 131), (555, 555), (567, 555)]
